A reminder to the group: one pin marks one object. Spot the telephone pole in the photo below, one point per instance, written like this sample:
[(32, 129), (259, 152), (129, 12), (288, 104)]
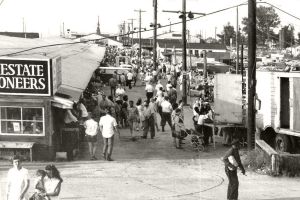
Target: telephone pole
[(184, 71), (155, 35), (251, 73), (140, 35), (131, 30), (237, 40), (184, 92)]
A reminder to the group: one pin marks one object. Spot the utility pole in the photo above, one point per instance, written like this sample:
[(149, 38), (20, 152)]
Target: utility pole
[(190, 50), (251, 73), (184, 71), (140, 35), (131, 30), (205, 71), (155, 35), (237, 40), (184, 92)]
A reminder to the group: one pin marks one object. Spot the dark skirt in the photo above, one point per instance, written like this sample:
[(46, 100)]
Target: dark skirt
[(90, 138)]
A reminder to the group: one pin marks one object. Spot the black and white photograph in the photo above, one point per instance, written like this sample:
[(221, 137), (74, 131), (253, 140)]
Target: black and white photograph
[(149, 100)]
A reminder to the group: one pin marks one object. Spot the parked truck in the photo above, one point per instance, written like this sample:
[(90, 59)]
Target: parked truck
[(277, 106), (278, 116)]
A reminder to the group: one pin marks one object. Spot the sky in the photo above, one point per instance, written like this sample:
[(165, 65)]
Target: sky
[(47, 16)]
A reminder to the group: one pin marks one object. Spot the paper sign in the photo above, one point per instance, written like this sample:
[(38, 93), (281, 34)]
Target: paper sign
[(16, 126)]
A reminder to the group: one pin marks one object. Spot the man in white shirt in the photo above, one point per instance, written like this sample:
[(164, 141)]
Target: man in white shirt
[(91, 130), (17, 180), (108, 127), (129, 78), (149, 91), (158, 85), (167, 109), (120, 91)]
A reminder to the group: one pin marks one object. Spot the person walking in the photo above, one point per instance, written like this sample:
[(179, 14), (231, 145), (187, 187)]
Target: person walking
[(133, 116), (172, 93), (91, 130), (158, 86), (123, 79), (108, 127), (17, 180), (232, 161), (52, 182), (148, 120), (113, 84), (149, 91), (167, 109), (140, 107), (120, 92), (178, 126), (129, 78)]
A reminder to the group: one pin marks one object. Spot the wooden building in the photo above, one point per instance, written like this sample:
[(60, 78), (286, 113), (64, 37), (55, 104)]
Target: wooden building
[(36, 88)]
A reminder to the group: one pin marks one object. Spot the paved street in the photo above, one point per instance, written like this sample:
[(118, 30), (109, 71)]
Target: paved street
[(154, 169)]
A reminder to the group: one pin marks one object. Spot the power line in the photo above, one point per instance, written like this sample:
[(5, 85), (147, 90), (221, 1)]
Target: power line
[(280, 10), (141, 31), (120, 35)]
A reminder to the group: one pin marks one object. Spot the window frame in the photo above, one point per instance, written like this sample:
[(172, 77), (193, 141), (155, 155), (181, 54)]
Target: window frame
[(22, 121)]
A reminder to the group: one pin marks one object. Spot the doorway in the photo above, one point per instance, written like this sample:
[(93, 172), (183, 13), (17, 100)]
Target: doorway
[(284, 103)]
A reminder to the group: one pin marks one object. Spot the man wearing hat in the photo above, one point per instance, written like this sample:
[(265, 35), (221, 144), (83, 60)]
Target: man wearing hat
[(231, 169)]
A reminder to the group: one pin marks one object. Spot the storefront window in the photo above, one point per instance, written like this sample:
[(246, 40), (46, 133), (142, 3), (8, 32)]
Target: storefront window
[(22, 120)]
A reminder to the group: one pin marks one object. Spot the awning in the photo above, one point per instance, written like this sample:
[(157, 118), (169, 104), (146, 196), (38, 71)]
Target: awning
[(63, 103), (78, 60)]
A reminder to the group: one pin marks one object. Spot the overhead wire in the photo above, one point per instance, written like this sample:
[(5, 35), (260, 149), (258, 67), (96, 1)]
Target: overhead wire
[(142, 31), (119, 35)]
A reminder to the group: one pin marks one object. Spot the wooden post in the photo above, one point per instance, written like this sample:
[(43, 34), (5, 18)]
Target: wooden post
[(155, 35), (251, 73), (184, 92)]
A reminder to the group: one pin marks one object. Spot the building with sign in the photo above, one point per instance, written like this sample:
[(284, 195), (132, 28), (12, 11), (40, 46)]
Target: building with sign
[(36, 88)]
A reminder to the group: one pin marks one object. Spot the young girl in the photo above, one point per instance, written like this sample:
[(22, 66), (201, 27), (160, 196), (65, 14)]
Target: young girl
[(39, 186), (178, 126), (52, 182), (133, 114), (140, 109)]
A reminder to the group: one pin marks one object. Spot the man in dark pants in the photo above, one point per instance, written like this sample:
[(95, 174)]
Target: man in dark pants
[(148, 122), (113, 84), (166, 113), (232, 161)]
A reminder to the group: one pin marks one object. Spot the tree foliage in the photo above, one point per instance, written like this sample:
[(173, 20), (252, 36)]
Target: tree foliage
[(266, 20), (227, 34), (289, 39)]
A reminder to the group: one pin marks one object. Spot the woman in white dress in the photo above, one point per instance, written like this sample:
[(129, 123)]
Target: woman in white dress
[(52, 182)]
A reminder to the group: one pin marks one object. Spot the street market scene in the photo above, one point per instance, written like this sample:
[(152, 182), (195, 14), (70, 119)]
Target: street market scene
[(152, 99)]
